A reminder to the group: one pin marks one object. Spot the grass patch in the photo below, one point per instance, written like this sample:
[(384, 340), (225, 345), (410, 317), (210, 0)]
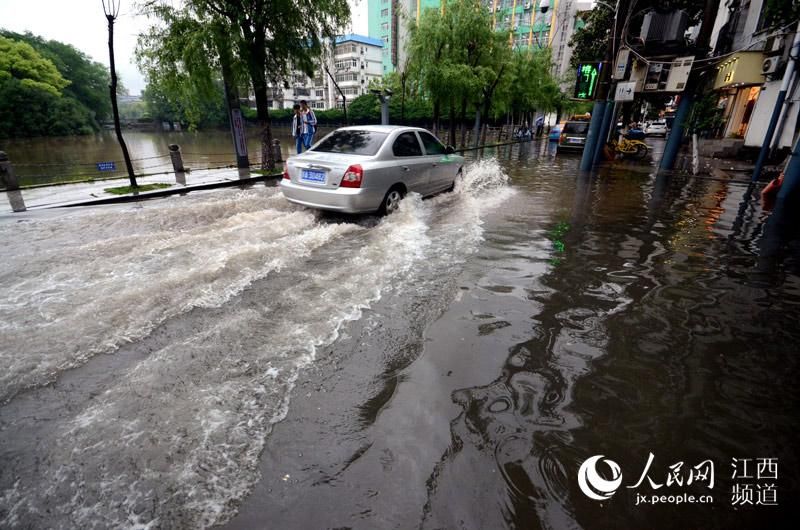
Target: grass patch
[(125, 190), (266, 172)]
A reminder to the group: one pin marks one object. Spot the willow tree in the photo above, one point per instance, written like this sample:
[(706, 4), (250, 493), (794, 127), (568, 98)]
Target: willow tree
[(458, 59), (271, 37), (263, 39), (531, 87), (183, 59)]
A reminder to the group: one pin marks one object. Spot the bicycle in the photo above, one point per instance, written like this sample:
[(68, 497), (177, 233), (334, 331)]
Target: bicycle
[(635, 148)]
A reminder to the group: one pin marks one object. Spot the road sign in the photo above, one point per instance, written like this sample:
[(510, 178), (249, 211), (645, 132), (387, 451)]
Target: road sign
[(106, 166), (239, 139), (621, 66), (588, 77), (625, 91)]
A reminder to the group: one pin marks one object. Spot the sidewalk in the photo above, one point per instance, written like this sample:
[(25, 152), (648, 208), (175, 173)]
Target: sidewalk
[(85, 193)]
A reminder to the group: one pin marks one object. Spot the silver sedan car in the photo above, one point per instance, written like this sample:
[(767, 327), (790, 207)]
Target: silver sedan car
[(369, 169)]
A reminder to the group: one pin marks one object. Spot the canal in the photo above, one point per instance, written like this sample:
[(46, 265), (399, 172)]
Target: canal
[(46, 160), (227, 358)]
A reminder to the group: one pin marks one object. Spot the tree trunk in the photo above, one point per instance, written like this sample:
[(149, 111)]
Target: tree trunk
[(463, 116), (437, 109), (231, 96), (477, 129), (403, 98), (112, 88), (452, 138), (262, 112)]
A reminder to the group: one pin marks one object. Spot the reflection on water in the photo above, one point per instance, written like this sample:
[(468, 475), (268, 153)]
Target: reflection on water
[(651, 337)]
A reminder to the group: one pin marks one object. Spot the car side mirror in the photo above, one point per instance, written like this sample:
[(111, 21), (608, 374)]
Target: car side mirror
[(449, 150)]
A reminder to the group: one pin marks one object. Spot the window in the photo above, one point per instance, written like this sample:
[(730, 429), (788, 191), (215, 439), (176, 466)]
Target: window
[(432, 145), (318, 93), (384, 12), (576, 127), (406, 145), (351, 142), (385, 26)]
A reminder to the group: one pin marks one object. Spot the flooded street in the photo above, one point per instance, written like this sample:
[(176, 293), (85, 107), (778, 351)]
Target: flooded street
[(227, 358)]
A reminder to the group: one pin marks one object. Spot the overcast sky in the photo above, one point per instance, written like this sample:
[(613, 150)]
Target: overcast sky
[(83, 24)]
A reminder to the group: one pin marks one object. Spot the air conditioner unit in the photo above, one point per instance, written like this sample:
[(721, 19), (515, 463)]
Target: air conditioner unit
[(515, 27), (770, 65), (774, 45), (664, 27), (527, 5)]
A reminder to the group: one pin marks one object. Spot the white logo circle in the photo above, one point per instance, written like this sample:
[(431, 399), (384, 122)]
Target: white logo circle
[(593, 485)]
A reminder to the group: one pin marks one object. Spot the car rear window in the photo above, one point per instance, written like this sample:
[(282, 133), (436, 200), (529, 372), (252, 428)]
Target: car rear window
[(576, 127), (353, 142)]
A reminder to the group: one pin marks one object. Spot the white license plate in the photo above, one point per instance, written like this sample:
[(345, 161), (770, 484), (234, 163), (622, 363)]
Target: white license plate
[(308, 175), (575, 140)]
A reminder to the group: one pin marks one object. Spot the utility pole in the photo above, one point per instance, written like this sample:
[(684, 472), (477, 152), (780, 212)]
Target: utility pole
[(687, 96), (111, 10), (601, 107), (776, 111)]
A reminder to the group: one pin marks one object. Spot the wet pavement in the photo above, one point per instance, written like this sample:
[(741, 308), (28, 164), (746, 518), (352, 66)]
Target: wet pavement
[(228, 358)]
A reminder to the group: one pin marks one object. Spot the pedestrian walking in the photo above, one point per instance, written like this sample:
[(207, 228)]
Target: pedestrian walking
[(310, 122), (298, 128), (539, 125)]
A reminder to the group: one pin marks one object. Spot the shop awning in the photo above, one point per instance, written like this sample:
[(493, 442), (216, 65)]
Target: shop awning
[(740, 69)]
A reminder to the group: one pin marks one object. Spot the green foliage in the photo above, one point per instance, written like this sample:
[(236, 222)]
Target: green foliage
[(456, 54), (19, 60), (180, 59), (88, 80), (35, 98), (706, 116), (125, 190), (531, 87), (366, 108), (133, 110), (27, 111)]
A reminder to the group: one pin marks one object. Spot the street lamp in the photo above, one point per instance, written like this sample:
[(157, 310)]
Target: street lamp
[(383, 96)]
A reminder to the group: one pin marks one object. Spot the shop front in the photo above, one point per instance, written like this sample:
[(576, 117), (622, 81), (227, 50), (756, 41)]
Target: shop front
[(739, 82)]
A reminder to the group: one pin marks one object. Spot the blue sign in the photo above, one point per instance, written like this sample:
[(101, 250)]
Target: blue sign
[(106, 166)]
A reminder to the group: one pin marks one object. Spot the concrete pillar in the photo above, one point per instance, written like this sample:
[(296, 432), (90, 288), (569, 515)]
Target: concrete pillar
[(9, 180), (177, 163)]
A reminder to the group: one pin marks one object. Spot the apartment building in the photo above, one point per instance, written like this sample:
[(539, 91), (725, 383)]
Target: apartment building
[(355, 61), (389, 19)]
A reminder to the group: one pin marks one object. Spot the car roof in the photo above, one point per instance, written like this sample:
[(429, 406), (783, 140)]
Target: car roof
[(379, 128)]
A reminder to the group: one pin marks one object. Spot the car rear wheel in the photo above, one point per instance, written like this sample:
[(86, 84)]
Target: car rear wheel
[(392, 200)]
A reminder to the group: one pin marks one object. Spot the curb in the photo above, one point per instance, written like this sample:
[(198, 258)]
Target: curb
[(170, 191)]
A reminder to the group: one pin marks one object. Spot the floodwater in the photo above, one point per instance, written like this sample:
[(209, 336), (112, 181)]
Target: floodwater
[(226, 358), (45, 160)]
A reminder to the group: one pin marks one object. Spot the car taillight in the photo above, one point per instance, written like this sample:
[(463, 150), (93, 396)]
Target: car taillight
[(285, 171), (352, 177)]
